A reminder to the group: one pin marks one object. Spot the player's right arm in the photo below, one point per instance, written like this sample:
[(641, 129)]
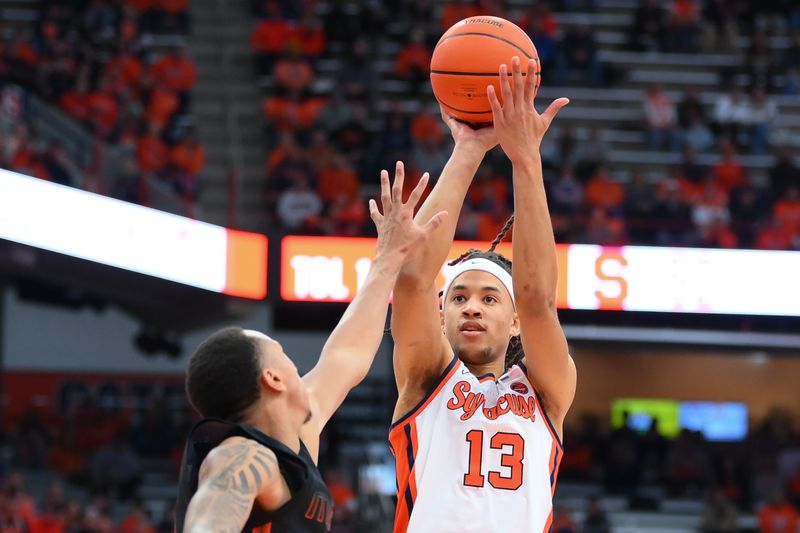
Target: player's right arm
[(421, 350), (233, 476)]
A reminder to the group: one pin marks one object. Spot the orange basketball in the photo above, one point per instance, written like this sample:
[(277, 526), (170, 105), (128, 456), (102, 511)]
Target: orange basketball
[(467, 58)]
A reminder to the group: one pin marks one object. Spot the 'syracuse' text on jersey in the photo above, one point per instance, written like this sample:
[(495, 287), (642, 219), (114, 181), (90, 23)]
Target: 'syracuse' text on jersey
[(310, 508), (476, 456)]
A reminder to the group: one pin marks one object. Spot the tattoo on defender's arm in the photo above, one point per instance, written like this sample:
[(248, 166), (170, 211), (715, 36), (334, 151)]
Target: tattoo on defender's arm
[(241, 469)]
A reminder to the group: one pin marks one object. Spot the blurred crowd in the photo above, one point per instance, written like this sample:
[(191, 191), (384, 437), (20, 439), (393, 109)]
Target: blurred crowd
[(323, 148), (97, 457), (98, 61)]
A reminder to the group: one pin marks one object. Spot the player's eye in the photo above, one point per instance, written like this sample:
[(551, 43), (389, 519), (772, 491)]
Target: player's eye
[(459, 298), (490, 299)]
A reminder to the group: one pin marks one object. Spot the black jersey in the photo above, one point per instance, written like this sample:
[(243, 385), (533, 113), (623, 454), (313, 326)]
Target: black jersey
[(310, 508)]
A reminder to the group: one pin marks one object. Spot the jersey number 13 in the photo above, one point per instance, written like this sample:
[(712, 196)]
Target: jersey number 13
[(512, 448)]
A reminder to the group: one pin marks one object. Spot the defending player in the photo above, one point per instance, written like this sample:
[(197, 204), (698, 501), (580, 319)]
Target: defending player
[(251, 463), (484, 382)]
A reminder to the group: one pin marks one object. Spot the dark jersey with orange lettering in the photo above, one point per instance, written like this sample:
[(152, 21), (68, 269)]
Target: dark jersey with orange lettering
[(310, 509)]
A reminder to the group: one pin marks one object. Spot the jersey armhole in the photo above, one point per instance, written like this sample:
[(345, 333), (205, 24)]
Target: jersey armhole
[(550, 426), (430, 395)]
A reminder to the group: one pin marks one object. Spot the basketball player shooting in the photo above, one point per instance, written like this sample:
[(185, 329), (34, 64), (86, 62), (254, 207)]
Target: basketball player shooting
[(484, 381), (250, 464)]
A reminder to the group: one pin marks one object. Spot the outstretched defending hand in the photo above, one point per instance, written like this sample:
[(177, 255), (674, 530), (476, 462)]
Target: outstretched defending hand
[(519, 126), (398, 233), (483, 139)]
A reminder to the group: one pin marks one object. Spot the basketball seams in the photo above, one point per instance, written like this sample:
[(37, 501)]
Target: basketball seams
[(512, 43)]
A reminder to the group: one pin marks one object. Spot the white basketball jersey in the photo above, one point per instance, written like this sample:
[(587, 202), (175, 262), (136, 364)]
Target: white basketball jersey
[(476, 456)]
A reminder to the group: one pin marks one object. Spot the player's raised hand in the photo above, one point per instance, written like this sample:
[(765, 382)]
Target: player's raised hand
[(520, 128), (398, 233), (482, 139)]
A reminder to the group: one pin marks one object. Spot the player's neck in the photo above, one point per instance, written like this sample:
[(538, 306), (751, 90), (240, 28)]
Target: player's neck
[(277, 424), (495, 368)]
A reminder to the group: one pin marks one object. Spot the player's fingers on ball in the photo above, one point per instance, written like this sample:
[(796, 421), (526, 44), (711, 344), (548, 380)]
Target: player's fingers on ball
[(505, 88), (530, 82), (494, 103), (445, 115), (399, 178), (519, 82), (386, 195), (416, 194)]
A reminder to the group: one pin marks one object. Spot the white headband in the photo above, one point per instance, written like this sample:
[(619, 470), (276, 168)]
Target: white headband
[(483, 265)]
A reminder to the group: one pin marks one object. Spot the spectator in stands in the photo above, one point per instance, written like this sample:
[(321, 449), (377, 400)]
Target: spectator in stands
[(566, 193), (98, 515), (269, 38), (690, 106), (688, 465), (293, 73), (151, 152), (659, 111), (787, 211), (596, 520), (640, 202), (731, 114), (116, 468), (137, 520), (541, 25), (590, 154), (103, 109), (711, 208), (396, 141), (162, 105), (357, 78), (672, 217), (308, 36), (605, 227), (748, 208), (578, 53), (347, 21), (763, 112), (761, 63), (58, 165), (291, 112), (791, 65), (336, 178), (719, 515), (784, 173), (563, 521), (176, 72), (720, 26), (728, 172), (413, 62), (697, 135), (684, 26), (172, 15), (604, 192), (299, 206), (456, 10), (648, 31), (778, 515), (187, 159)]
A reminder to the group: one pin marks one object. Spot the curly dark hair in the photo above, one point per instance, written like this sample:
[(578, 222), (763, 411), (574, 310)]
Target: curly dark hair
[(514, 352), (222, 375)]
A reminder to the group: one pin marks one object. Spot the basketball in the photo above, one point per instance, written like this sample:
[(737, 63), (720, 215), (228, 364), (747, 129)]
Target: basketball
[(467, 58)]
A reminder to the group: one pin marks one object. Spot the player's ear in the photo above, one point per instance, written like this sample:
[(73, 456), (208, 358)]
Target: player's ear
[(441, 319), (272, 381), (515, 327)]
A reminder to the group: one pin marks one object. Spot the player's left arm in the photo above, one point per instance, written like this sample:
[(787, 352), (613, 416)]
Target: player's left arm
[(351, 348), (520, 129)]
